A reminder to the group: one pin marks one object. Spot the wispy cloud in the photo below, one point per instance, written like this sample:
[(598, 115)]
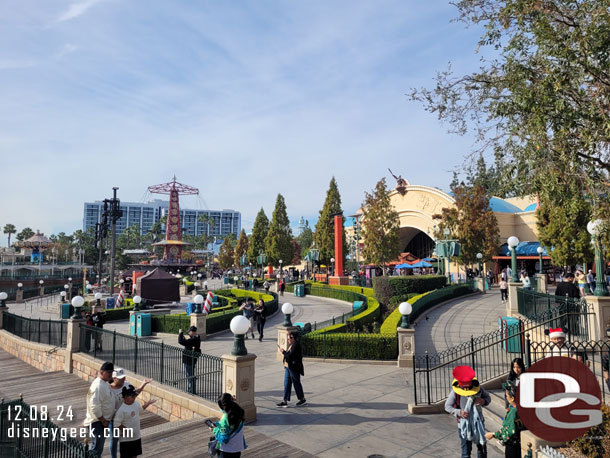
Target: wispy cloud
[(77, 9), (66, 49), (10, 64)]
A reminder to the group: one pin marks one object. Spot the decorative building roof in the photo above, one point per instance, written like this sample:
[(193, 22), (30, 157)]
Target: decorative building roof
[(38, 240)]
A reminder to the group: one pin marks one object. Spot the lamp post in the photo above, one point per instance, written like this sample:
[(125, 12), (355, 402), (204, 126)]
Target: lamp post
[(280, 261), (63, 296), (405, 310), (540, 250), (98, 299), (3, 297), (198, 300), (512, 244), (479, 259), (595, 228), (287, 310), (446, 233), (239, 327), (332, 260), (136, 301), (77, 303)]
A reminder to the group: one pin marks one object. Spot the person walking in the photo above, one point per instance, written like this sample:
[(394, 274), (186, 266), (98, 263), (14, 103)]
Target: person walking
[(261, 317), (229, 431), (582, 282), (282, 287), (465, 402), (119, 381), (192, 350), (128, 417), (525, 280), (293, 370), (89, 322), (248, 309), (100, 407), (591, 280), (510, 433), (266, 285), (503, 290), (566, 288)]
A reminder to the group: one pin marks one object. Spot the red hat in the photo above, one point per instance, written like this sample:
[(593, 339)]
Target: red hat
[(464, 375), (557, 332)]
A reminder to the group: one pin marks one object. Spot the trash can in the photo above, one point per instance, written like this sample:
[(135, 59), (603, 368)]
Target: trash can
[(133, 324), (511, 334), (110, 302), (226, 280), (190, 308), (144, 322), (65, 311)]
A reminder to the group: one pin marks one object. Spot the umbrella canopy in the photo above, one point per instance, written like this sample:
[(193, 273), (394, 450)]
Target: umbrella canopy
[(428, 259), (404, 266), (421, 264)]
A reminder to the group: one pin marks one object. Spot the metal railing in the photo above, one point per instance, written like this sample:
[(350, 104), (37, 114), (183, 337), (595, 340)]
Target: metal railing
[(490, 355), (16, 419), (532, 303), (164, 363), (51, 332), (342, 295)]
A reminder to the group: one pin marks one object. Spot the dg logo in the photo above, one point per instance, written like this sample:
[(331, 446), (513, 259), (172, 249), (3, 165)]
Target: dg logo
[(559, 399)]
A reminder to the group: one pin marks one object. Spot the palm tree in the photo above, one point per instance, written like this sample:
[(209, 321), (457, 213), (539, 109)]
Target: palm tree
[(9, 229)]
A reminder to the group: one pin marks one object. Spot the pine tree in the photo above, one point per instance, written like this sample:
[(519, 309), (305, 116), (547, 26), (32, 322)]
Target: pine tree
[(256, 243), (278, 243), (324, 235), (241, 248), (380, 226), (225, 255)]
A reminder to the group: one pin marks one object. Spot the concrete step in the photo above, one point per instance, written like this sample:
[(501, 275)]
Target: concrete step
[(495, 411)]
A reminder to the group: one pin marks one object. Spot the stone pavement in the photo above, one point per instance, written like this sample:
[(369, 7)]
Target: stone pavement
[(454, 323), (354, 410)]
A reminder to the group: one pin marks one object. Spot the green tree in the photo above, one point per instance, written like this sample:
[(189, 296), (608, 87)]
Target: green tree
[(305, 239), (380, 226), (324, 235), (256, 244), (225, 255), (541, 103), (10, 230), (241, 248), (472, 222), (562, 224), (25, 234), (86, 241), (278, 243)]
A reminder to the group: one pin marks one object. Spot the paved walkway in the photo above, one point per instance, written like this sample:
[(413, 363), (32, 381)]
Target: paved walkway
[(354, 410), (454, 323)]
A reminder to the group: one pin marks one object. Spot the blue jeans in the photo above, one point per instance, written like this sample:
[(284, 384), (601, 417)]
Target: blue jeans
[(192, 382), (114, 443), (467, 448), (98, 439), (292, 378)]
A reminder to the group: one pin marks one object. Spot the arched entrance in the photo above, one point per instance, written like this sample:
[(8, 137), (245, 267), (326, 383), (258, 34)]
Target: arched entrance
[(416, 242)]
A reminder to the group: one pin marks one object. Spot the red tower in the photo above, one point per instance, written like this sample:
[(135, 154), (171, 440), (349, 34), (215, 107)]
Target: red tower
[(172, 245)]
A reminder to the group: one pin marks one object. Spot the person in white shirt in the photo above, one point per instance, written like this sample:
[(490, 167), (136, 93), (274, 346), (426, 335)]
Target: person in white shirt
[(558, 347), (100, 407), (127, 420), (116, 388)]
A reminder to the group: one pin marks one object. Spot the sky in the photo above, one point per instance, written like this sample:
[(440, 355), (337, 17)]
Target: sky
[(241, 99)]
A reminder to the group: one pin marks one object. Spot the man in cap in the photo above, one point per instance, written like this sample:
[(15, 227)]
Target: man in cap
[(465, 402), (119, 378), (192, 349), (100, 407), (558, 346)]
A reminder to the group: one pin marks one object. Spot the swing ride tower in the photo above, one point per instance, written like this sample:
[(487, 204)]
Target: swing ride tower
[(173, 244)]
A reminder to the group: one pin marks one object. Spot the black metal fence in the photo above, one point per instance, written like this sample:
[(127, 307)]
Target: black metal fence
[(491, 354), (342, 295), (21, 435), (51, 332), (166, 364), (594, 354), (533, 303)]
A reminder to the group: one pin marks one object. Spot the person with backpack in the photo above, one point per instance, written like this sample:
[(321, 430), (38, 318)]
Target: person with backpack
[(465, 402), (229, 440)]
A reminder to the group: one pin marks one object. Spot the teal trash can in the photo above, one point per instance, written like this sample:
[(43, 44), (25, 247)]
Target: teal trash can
[(226, 280), (511, 334), (133, 324), (190, 308), (144, 322), (65, 311)]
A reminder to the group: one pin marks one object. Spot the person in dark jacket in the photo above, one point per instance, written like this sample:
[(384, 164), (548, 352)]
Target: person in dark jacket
[(293, 370), (98, 319), (261, 317), (192, 349), (567, 288)]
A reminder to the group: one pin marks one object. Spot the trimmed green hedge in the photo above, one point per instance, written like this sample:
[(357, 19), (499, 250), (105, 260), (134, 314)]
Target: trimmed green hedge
[(435, 297), (350, 346), (388, 287)]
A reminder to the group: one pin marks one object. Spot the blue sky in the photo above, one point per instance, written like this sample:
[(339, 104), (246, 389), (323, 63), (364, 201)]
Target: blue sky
[(242, 99)]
